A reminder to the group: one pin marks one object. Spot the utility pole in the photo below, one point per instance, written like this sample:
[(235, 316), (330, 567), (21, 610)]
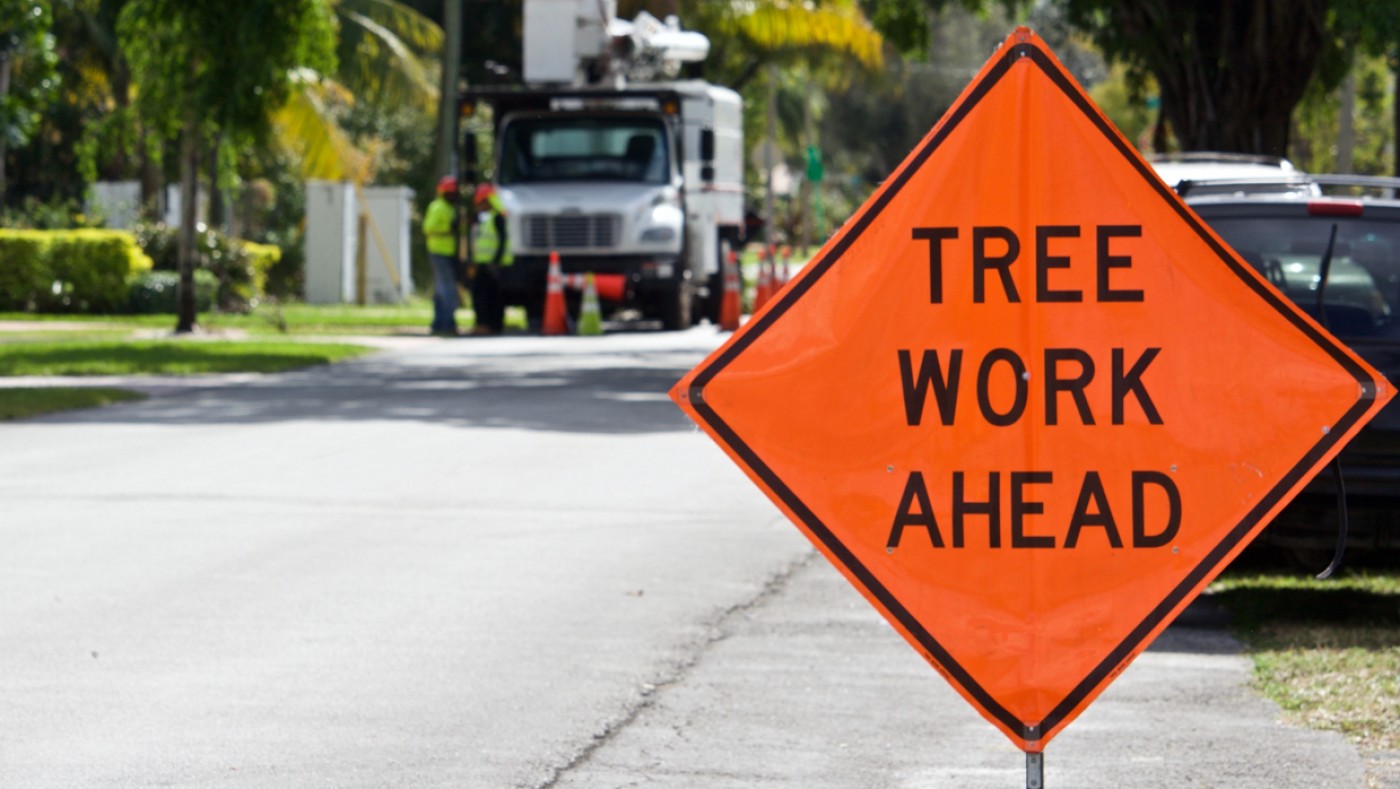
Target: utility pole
[(769, 153), (447, 99)]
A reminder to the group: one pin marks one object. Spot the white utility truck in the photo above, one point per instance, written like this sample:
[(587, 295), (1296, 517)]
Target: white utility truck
[(605, 159)]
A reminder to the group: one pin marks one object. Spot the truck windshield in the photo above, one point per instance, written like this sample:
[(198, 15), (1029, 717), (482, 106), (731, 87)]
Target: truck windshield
[(1362, 295), (584, 149)]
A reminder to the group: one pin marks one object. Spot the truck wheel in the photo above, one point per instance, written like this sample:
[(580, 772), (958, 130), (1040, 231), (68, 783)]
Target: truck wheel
[(677, 303), (534, 314), (715, 302)]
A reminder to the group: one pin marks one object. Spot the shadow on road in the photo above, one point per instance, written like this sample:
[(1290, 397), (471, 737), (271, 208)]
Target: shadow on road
[(594, 394)]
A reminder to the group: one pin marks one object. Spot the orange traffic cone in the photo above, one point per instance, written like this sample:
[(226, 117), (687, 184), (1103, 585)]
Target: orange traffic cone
[(554, 309), (786, 272), (764, 288), (729, 300)]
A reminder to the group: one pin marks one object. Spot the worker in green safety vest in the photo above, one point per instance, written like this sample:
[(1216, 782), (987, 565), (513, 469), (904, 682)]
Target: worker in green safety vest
[(490, 252), (440, 230)]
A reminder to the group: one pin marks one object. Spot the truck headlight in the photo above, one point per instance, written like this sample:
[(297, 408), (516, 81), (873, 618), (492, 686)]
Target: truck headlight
[(661, 221)]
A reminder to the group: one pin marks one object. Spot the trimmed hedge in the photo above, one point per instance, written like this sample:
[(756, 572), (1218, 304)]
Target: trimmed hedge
[(68, 270)]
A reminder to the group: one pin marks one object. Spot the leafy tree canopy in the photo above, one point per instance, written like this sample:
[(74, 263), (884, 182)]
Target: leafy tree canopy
[(1230, 72), (231, 62), (27, 70)]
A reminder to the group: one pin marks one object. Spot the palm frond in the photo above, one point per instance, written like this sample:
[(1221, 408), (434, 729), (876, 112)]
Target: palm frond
[(306, 125), (421, 34), (380, 64), (783, 27)]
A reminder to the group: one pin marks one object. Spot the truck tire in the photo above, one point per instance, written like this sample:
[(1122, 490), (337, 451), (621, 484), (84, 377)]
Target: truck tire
[(715, 301), (677, 302)]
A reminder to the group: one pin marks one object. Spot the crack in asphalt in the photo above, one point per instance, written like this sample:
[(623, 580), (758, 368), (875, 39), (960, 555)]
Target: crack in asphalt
[(677, 673)]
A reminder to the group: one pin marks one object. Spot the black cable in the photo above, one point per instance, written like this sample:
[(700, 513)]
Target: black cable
[(1336, 562), (1324, 268)]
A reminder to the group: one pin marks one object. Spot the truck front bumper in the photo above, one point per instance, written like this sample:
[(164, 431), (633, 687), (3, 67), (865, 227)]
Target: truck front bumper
[(524, 281)]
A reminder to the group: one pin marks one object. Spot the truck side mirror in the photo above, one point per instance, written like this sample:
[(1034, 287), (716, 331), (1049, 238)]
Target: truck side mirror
[(468, 163), (707, 155)]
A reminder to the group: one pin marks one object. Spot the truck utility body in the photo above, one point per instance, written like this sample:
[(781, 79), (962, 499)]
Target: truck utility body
[(639, 180)]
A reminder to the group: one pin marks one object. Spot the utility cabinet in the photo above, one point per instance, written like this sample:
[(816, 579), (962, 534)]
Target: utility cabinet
[(350, 261)]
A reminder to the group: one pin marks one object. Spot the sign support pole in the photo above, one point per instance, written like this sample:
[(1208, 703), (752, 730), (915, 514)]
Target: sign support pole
[(1035, 770)]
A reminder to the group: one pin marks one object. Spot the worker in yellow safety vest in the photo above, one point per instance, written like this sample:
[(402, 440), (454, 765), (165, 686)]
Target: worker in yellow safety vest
[(439, 228), (490, 252)]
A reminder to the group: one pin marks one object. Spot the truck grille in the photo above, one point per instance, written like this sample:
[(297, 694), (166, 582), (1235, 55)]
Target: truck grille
[(571, 231)]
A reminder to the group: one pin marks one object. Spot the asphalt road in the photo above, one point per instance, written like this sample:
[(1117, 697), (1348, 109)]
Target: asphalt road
[(501, 563)]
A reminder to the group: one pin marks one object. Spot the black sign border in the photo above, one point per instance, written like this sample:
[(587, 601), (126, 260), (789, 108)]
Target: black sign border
[(1031, 731)]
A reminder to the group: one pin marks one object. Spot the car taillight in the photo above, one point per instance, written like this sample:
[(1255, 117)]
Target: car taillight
[(1335, 208)]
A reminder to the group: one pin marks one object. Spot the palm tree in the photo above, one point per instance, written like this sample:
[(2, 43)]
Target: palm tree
[(388, 57), (747, 35)]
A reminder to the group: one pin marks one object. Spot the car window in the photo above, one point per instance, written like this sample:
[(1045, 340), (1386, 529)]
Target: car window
[(1362, 297)]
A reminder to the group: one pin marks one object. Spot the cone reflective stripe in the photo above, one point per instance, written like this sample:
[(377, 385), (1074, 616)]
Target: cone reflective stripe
[(729, 300), (764, 289), (590, 317), (555, 321)]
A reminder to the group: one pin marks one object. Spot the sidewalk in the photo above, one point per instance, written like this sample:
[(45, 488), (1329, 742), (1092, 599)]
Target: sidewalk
[(810, 688)]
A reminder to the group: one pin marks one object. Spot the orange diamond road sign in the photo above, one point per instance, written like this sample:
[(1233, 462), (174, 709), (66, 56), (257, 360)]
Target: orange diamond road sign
[(1026, 401)]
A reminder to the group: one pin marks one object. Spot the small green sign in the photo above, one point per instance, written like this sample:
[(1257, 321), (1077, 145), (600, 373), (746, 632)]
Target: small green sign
[(815, 171)]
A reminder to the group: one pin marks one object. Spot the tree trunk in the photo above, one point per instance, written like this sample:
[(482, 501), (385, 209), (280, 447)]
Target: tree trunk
[(4, 91), (152, 180), (1346, 125), (218, 203), (189, 185), (1395, 120), (1232, 75)]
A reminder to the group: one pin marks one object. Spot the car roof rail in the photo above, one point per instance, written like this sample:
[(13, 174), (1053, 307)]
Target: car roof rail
[(1222, 157), (1344, 181), (1284, 183), (1299, 184)]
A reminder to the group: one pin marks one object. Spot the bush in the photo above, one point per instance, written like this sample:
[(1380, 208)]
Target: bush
[(286, 278), (154, 292), (55, 214), (68, 270), (240, 267), (24, 270), (261, 260)]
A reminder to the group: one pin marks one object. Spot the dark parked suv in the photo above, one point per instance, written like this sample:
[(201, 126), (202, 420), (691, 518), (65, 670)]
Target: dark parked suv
[(1282, 225)]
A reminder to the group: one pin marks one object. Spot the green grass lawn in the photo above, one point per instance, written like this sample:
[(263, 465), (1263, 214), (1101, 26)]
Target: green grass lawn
[(329, 319), (125, 357), (1327, 652), (269, 319), (266, 320), (24, 403)]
